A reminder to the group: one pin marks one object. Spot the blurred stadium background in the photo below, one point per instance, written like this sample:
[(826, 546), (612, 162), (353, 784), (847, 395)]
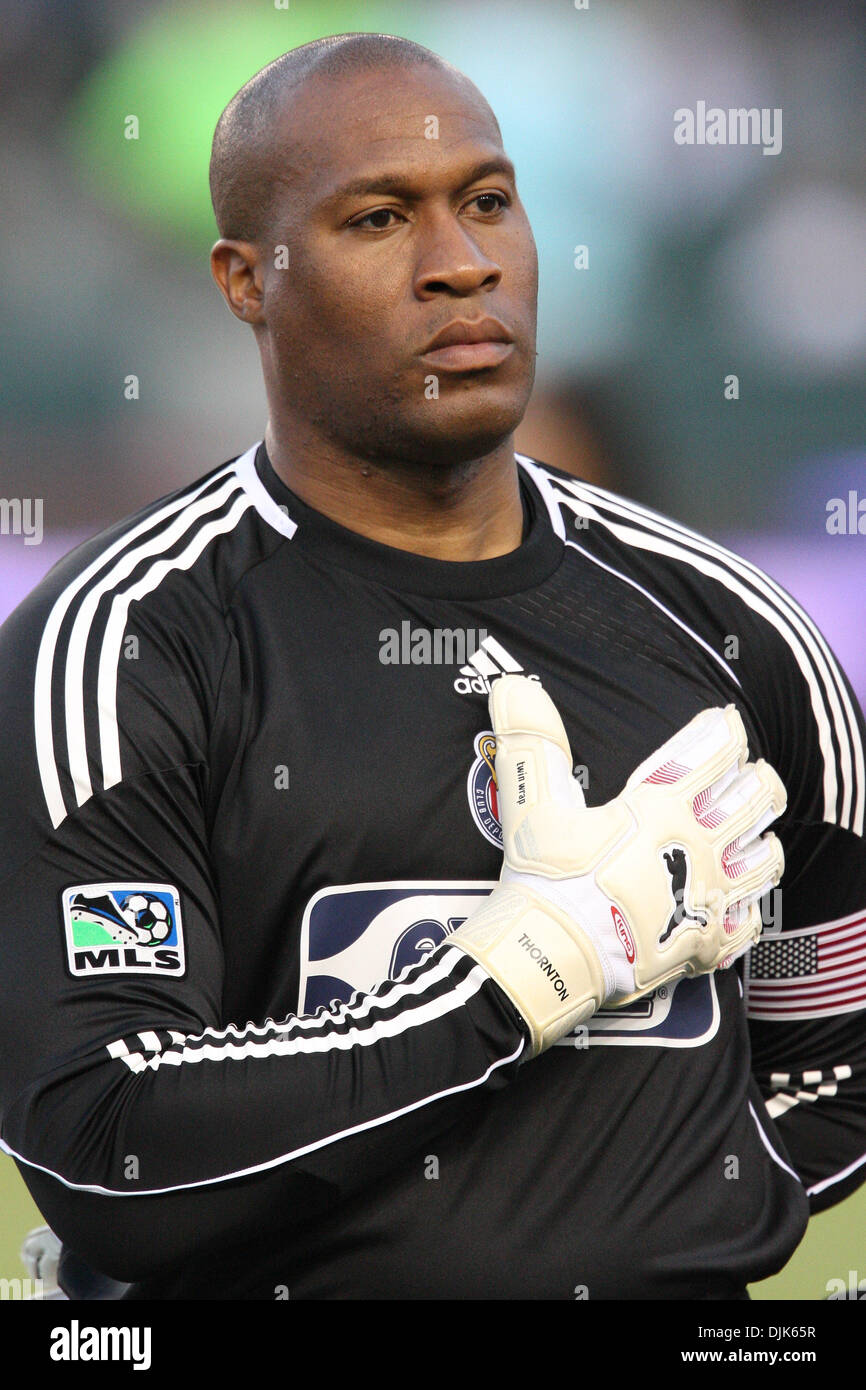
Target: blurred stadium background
[(702, 262)]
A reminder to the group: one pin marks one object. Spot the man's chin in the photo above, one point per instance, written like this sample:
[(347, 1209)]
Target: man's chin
[(455, 432)]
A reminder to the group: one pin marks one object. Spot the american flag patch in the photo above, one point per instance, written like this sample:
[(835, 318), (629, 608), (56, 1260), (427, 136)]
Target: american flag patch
[(810, 973)]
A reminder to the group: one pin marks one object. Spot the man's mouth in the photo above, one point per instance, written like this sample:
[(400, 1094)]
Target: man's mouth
[(469, 344), (466, 357)]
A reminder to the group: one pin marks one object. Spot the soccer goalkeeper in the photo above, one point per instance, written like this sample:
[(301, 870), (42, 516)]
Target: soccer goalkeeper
[(304, 988)]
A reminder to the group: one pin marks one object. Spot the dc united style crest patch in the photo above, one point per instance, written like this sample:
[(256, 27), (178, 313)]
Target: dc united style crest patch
[(123, 928), (481, 789)]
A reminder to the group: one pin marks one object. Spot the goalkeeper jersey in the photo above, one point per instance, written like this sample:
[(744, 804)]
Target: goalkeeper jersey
[(248, 792)]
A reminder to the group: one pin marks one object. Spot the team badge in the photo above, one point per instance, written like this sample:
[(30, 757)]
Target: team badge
[(481, 789), (123, 928)]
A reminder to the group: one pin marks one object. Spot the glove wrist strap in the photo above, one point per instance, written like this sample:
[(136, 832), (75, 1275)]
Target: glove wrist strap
[(542, 960)]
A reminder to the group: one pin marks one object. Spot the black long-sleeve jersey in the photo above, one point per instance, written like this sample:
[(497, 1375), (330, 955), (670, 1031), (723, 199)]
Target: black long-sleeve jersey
[(246, 793)]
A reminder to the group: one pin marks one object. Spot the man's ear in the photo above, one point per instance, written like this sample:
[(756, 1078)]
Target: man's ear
[(236, 267)]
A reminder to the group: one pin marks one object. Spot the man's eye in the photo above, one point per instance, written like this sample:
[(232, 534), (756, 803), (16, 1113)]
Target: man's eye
[(377, 212), (501, 201)]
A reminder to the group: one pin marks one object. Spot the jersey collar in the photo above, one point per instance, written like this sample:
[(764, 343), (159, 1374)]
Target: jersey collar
[(323, 540)]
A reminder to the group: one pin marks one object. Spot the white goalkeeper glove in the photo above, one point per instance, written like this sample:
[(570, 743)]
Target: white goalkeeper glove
[(599, 906)]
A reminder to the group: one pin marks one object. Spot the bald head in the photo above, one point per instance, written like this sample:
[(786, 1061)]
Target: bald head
[(245, 146), (362, 190)]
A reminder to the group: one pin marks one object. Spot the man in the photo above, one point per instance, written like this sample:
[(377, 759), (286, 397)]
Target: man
[(242, 792)]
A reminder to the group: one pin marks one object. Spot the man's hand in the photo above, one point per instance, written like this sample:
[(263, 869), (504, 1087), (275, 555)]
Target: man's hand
[(599, 906)]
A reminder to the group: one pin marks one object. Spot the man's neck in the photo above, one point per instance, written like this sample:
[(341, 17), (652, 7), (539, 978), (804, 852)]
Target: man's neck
[(473, 512)]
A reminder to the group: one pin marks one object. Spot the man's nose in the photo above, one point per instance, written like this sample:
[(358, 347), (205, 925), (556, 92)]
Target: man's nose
[(451, 260)]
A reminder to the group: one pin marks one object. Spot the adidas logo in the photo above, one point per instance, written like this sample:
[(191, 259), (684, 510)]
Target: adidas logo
[(489, 661)]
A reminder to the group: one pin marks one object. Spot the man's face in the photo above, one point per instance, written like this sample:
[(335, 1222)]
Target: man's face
[(376, 272)]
